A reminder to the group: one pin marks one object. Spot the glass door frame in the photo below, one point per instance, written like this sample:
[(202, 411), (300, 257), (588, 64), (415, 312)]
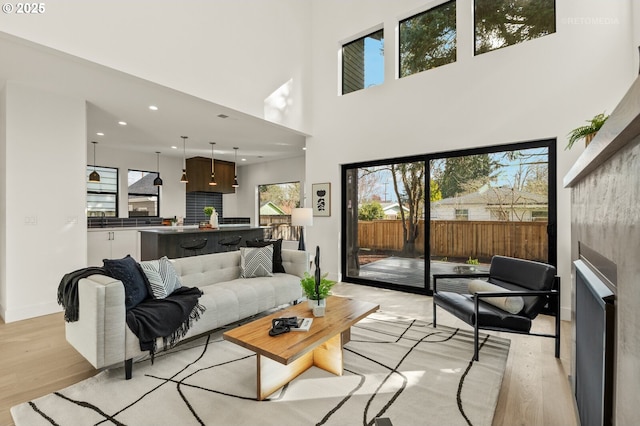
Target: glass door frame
[(550, 144)]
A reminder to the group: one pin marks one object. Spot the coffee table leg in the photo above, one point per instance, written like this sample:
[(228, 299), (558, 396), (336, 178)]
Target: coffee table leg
[(273, 375), (328, 356)]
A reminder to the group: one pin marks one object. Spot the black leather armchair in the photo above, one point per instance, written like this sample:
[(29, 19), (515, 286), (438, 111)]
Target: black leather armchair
[(535, 282)]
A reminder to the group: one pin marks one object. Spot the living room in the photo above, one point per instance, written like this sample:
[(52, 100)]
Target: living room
[(287, 51)]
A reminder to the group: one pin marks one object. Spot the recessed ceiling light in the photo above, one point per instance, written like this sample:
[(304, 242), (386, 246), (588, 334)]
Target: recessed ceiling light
[(122, 123), (243, 159), (304, 148), (100, 134), (153, 107), (223, 116), (174, 147)]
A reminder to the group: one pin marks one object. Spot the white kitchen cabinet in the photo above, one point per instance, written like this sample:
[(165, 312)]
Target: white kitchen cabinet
[(111, 244)]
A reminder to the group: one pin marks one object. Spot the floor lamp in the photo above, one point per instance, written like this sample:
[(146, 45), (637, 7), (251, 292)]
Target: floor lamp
[(302, 217)]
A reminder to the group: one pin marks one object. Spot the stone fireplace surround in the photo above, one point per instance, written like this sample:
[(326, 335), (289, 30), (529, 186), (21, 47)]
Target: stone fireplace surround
[(605, 217)]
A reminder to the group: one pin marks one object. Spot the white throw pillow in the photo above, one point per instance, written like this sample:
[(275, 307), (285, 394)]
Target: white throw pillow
[(511, 304), (256, 261), (162, 277)]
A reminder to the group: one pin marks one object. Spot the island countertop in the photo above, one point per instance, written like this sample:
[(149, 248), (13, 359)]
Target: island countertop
[(196, 230), (172, 241)]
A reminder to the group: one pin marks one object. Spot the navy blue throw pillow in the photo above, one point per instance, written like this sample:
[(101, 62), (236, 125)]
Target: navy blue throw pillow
[(128, 271)]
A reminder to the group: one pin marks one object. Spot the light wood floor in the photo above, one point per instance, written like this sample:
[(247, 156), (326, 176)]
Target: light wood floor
[(35, 360)]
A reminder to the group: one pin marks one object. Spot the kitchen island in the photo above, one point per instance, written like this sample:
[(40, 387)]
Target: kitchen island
[(171, 241)]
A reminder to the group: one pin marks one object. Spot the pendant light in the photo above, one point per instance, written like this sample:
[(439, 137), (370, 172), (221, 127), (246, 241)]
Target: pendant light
[(184, 179), (212, 181), (94, 177), (235, 179), (157, 181)]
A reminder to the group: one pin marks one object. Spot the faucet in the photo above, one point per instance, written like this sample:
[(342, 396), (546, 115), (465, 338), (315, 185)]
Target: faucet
[(103, 220)]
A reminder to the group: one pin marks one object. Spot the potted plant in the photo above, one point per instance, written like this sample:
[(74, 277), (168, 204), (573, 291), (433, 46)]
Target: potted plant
[(308, 283), (213, 215), (587, 132)]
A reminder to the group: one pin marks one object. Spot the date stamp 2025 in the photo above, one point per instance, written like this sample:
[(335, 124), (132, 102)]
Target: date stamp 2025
[(24, 8)]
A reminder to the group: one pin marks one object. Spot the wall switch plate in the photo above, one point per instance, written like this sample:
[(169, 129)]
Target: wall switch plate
[(31, 220)]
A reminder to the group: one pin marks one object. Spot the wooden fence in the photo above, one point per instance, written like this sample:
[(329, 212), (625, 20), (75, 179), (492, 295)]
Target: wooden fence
[(279, 226), (462, 239)]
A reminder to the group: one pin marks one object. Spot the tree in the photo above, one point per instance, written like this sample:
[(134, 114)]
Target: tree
[(368, 183), (428, 40), (411, 175), (370, 211), (465, 174), (434, 191), (502, 23)]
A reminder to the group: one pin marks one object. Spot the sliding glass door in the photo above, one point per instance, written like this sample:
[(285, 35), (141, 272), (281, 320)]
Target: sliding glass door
[(384, 223), (496, 200)]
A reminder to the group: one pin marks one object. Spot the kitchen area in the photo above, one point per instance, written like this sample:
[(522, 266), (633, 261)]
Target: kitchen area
[(181, 228)]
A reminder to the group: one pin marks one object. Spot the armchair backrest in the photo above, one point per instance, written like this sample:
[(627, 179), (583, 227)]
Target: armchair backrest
[(520, 274)]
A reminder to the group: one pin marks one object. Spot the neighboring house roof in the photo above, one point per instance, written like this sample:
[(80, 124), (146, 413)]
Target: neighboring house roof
[(489, 196), (270, 209), (392, 207), (144, 185)]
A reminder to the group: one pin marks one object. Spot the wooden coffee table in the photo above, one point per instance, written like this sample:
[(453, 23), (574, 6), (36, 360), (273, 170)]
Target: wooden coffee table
[(282, 358)]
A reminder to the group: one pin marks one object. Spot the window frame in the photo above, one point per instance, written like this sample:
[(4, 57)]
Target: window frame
[(344, 44), (441, 4), (346, 206), (129, 194), (475, 25), (91, 168), (293, 232)]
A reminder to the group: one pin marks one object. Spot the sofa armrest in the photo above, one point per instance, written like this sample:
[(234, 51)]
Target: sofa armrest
[(99, 333), (295, 262)]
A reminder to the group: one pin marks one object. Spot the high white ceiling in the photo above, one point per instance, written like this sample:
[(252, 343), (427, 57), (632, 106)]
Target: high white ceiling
[(113, 96)]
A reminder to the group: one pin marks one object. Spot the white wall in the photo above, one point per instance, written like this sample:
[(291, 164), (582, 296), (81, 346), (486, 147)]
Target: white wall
[(3, 200), (44, 233), (172, 191), (539, 89), (250, 55)]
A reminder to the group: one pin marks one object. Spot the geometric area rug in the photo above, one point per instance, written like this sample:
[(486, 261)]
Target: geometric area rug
[(394, 367)]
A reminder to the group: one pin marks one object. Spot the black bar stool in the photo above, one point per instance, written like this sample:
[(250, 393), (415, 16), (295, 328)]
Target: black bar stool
[(230, 243), (191, 247)]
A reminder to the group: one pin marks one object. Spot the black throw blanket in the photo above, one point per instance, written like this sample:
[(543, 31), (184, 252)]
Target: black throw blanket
[(68, 290), (169, 318)]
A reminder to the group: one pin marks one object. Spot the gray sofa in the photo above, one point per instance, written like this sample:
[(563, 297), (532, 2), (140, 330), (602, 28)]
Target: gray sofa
[(102, 336)]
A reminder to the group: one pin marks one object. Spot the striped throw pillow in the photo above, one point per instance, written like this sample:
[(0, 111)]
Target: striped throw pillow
[(256, 261), (162, 277)]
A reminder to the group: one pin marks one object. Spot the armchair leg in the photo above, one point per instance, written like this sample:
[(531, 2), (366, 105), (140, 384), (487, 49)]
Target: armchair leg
[(558, 302), (476, 350), (434, 314), (128, 369)]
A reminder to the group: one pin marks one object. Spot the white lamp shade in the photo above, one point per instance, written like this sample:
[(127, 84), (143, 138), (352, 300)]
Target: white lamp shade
[(302, 217)]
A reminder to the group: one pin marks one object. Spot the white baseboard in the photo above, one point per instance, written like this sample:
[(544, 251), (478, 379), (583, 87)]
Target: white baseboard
[(31, 311)]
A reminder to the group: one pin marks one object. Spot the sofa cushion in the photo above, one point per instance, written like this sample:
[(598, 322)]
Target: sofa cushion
[(277, 252), (162, 276), (511, 304), (256, 261), (129, 272)]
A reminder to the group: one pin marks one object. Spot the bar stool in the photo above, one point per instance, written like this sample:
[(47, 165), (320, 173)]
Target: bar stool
[(191, 247), (230, 243)]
